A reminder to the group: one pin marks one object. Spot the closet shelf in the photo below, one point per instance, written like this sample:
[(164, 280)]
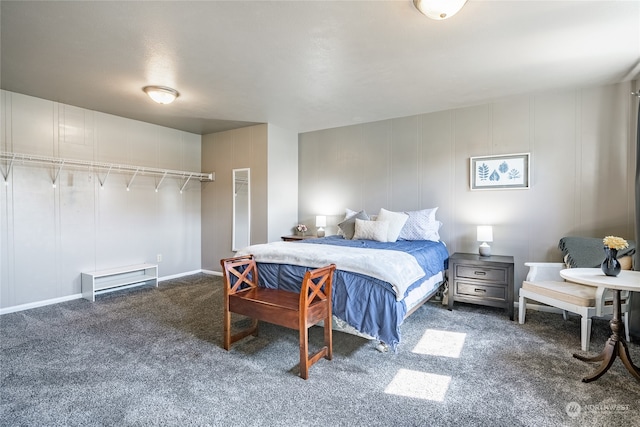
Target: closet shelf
[(9, 159)]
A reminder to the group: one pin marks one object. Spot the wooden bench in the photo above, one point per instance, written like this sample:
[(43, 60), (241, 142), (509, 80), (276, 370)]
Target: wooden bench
[(243, 295)]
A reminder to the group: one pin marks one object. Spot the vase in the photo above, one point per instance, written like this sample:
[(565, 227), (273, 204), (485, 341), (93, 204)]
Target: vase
[(611, 265)]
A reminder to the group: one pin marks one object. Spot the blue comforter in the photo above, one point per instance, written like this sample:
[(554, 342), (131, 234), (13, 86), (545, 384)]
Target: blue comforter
[(368, 304)]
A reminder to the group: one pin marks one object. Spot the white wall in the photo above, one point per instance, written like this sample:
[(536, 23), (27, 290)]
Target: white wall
[(272, 155), (50, 235), (582, 172), (282, 164), (582, 183), (223, 152)]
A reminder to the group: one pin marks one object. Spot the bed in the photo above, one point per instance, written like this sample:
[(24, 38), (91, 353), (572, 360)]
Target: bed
[(376, 284)]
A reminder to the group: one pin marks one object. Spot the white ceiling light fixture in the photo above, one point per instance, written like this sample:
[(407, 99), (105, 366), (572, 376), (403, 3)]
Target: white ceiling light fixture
[(161, 94), (439, 9)]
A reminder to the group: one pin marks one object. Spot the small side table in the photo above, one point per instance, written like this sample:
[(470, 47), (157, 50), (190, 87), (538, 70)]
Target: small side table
[(615, 346), (481, 280), (296, 238)]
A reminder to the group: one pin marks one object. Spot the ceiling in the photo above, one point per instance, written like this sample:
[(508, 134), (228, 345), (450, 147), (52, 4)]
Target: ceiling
[(308, 65)]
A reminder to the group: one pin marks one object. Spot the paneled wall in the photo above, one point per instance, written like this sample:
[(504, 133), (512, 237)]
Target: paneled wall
[(581, 183), (223, 152), (50, 235), (582, 170), (271, 153), (282, 185)]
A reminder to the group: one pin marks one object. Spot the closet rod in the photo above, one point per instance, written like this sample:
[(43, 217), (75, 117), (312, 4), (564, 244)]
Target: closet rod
[(13, 158)]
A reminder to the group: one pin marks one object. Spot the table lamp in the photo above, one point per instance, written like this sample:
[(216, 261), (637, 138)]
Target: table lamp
[(321, 223), (484, 235)]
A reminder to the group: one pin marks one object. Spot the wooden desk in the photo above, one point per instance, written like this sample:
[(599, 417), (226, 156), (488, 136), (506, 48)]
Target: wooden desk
[(616, 346)]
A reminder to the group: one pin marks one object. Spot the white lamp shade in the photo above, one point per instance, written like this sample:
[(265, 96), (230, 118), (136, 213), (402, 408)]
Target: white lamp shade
[(161, 94), (439, 9), (485, 233), (321, 221)]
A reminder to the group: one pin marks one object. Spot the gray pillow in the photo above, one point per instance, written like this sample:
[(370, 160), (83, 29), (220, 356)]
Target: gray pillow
[(348, 214), (348, 226)]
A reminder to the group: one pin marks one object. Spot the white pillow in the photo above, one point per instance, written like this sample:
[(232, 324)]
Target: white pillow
[(396, 222), (371, 230), (421, 225), (348, 213), (431, 231)]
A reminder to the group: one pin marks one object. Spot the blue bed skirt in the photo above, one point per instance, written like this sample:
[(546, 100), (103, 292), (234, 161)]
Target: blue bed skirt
[(368, 304)]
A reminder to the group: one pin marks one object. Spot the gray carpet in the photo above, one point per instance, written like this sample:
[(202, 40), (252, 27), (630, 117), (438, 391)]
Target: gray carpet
[(153, 356)]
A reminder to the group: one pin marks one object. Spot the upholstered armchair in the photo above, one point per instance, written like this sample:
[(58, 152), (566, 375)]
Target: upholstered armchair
[(543, 284)]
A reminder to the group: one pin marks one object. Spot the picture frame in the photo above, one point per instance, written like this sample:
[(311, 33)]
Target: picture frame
[(502, 172)]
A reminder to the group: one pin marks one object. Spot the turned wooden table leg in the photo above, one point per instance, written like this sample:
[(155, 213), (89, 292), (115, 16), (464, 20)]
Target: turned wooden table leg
[(598, 358), (615, 346), (607, 356)]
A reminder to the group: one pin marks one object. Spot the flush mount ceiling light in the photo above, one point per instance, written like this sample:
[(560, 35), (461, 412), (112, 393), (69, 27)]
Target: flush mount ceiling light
[(439, 9), (161, 94)]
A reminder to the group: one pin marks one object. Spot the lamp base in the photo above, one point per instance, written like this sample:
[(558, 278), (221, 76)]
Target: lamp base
[(484, 250), (320, 232)]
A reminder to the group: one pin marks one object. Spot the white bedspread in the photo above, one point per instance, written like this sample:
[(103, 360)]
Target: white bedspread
[(397, 268)]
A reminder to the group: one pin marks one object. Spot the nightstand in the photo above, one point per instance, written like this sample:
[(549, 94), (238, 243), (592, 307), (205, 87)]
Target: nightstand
[(296, 238), (481, 280)]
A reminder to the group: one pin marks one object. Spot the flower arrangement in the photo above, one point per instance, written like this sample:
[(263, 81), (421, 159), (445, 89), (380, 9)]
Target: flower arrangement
[(613, 242), (301, 228)]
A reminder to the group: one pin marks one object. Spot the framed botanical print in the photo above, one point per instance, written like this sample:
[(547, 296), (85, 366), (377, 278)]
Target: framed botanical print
[(504, 172)]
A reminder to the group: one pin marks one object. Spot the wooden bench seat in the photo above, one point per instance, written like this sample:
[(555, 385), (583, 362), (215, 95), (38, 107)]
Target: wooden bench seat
[(300, 311)]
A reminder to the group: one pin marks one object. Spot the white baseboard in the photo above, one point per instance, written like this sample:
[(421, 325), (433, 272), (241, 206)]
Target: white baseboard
[(176, 276), (212, 273), (36, 304)]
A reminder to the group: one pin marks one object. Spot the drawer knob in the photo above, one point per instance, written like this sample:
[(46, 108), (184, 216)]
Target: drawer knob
[(480, 273), (479, 290)]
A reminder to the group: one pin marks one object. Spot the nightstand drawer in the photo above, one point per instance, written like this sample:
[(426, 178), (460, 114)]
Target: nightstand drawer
[(482, 291), (495, 275)]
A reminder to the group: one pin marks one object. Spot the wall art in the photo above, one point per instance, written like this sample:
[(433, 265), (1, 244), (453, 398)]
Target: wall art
[(504, 172)]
